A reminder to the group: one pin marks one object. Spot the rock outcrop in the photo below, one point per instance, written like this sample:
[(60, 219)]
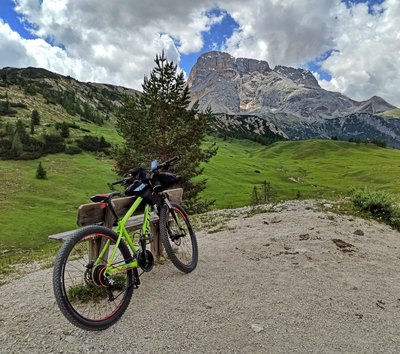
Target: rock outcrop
[(289, 98)]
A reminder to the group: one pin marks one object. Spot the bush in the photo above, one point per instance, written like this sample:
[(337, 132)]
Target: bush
[(32, 145), (378, 142), (63, 128), (380, 205), (72, 150), (18, 105), (53, 144), (93, 143)]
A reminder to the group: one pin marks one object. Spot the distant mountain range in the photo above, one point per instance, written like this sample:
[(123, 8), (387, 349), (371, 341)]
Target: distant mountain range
[(289, 99), (248, 99)]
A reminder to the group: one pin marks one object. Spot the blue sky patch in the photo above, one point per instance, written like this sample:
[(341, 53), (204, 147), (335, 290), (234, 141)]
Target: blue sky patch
[(315, 65), (14, 20), (371, 4), (213, 39)]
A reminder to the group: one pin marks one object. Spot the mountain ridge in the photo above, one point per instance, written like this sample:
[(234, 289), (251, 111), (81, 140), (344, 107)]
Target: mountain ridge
[(254, 87), (289, 98), (248, 98)]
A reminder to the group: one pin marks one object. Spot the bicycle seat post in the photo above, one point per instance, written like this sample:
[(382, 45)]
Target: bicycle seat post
[(111, 207)]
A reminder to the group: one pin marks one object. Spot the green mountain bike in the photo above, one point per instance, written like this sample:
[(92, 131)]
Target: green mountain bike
[(97, 269)]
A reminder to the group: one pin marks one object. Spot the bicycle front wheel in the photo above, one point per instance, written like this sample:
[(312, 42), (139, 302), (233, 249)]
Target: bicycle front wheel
[(178, 238), (89, 298)]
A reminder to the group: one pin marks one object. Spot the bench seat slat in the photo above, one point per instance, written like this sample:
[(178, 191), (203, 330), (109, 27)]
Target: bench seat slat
[(92, 214)]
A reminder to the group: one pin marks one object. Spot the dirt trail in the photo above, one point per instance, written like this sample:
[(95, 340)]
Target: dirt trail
[(290, 281)]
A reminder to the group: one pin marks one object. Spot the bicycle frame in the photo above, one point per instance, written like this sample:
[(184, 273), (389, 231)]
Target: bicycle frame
[(123, 234)]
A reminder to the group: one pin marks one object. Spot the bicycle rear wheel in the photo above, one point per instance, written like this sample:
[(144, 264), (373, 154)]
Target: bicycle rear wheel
[(178, 238), (86, 296)]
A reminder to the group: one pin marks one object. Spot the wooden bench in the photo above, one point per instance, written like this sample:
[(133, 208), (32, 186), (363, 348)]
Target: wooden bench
[(94, 214)]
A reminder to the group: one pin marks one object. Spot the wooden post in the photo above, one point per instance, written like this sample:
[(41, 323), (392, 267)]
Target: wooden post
[(156, 246)]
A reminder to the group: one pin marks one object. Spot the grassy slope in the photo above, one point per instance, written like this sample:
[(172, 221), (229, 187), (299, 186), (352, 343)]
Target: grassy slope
[(31, 209), (312, 168), (394, 113), (51, 114)]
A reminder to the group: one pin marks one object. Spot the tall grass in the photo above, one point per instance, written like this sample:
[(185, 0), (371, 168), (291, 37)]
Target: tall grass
[(378, 204)]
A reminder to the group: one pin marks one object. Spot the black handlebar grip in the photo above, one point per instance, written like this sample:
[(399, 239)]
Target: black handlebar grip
[(171, 160), (119, 182)]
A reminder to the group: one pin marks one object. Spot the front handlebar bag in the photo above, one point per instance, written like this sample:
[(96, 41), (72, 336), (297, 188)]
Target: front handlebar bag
[(143, 190), (168, 179)]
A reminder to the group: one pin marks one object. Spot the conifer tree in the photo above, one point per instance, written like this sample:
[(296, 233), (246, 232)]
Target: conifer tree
[(16, 147), (64, 130), (32, 127), (35, 117), (159, 124), (41, 172), (255, 198)]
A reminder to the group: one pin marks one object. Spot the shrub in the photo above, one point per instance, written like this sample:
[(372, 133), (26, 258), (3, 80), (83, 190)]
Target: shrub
[(63, 128), (18, 105), (93, 143), (380, 205), (53, 144), (72, 150), (378, 142)]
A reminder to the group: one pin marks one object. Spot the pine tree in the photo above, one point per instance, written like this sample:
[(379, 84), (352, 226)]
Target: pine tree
[(159, 124), (21, 131), (64, 130), (35, 117), (41, 172), (266, 191), (32, 126), (16, 147), (255, 198)]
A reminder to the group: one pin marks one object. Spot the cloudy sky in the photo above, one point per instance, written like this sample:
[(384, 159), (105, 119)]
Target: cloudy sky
[(351, 46)]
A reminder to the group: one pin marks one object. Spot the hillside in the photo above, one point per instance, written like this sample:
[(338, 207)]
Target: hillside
[(33, 208), (83, 109), (92, 102), (394, 113), (305, 169), (44, 113)]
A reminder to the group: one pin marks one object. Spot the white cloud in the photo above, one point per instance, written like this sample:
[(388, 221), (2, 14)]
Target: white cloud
[(368, 61), (13, 52), (282, 32), (119, 38), (116, 41)]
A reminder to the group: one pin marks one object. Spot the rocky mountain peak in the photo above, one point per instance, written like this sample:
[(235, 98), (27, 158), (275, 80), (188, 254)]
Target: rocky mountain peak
[(240, 85), (298, 76), (225, 66)]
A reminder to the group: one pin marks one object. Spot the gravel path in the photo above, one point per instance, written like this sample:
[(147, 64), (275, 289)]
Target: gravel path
[(291, 281)]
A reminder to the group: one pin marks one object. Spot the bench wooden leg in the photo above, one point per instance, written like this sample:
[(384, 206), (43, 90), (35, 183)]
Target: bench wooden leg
[(95, 246), (156, 246)]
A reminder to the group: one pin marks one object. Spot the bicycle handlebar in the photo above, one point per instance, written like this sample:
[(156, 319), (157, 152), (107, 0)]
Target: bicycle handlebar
[(164, 165), (169, 162), (121, 181)]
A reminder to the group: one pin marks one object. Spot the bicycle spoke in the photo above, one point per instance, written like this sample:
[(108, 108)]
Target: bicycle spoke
[(86, 295)]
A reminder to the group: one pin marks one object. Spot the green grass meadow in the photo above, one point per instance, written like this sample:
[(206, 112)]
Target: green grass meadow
[(311, 169), (32, 209)]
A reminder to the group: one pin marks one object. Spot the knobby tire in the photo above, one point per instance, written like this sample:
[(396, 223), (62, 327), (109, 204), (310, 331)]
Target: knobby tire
[(85, 305)]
